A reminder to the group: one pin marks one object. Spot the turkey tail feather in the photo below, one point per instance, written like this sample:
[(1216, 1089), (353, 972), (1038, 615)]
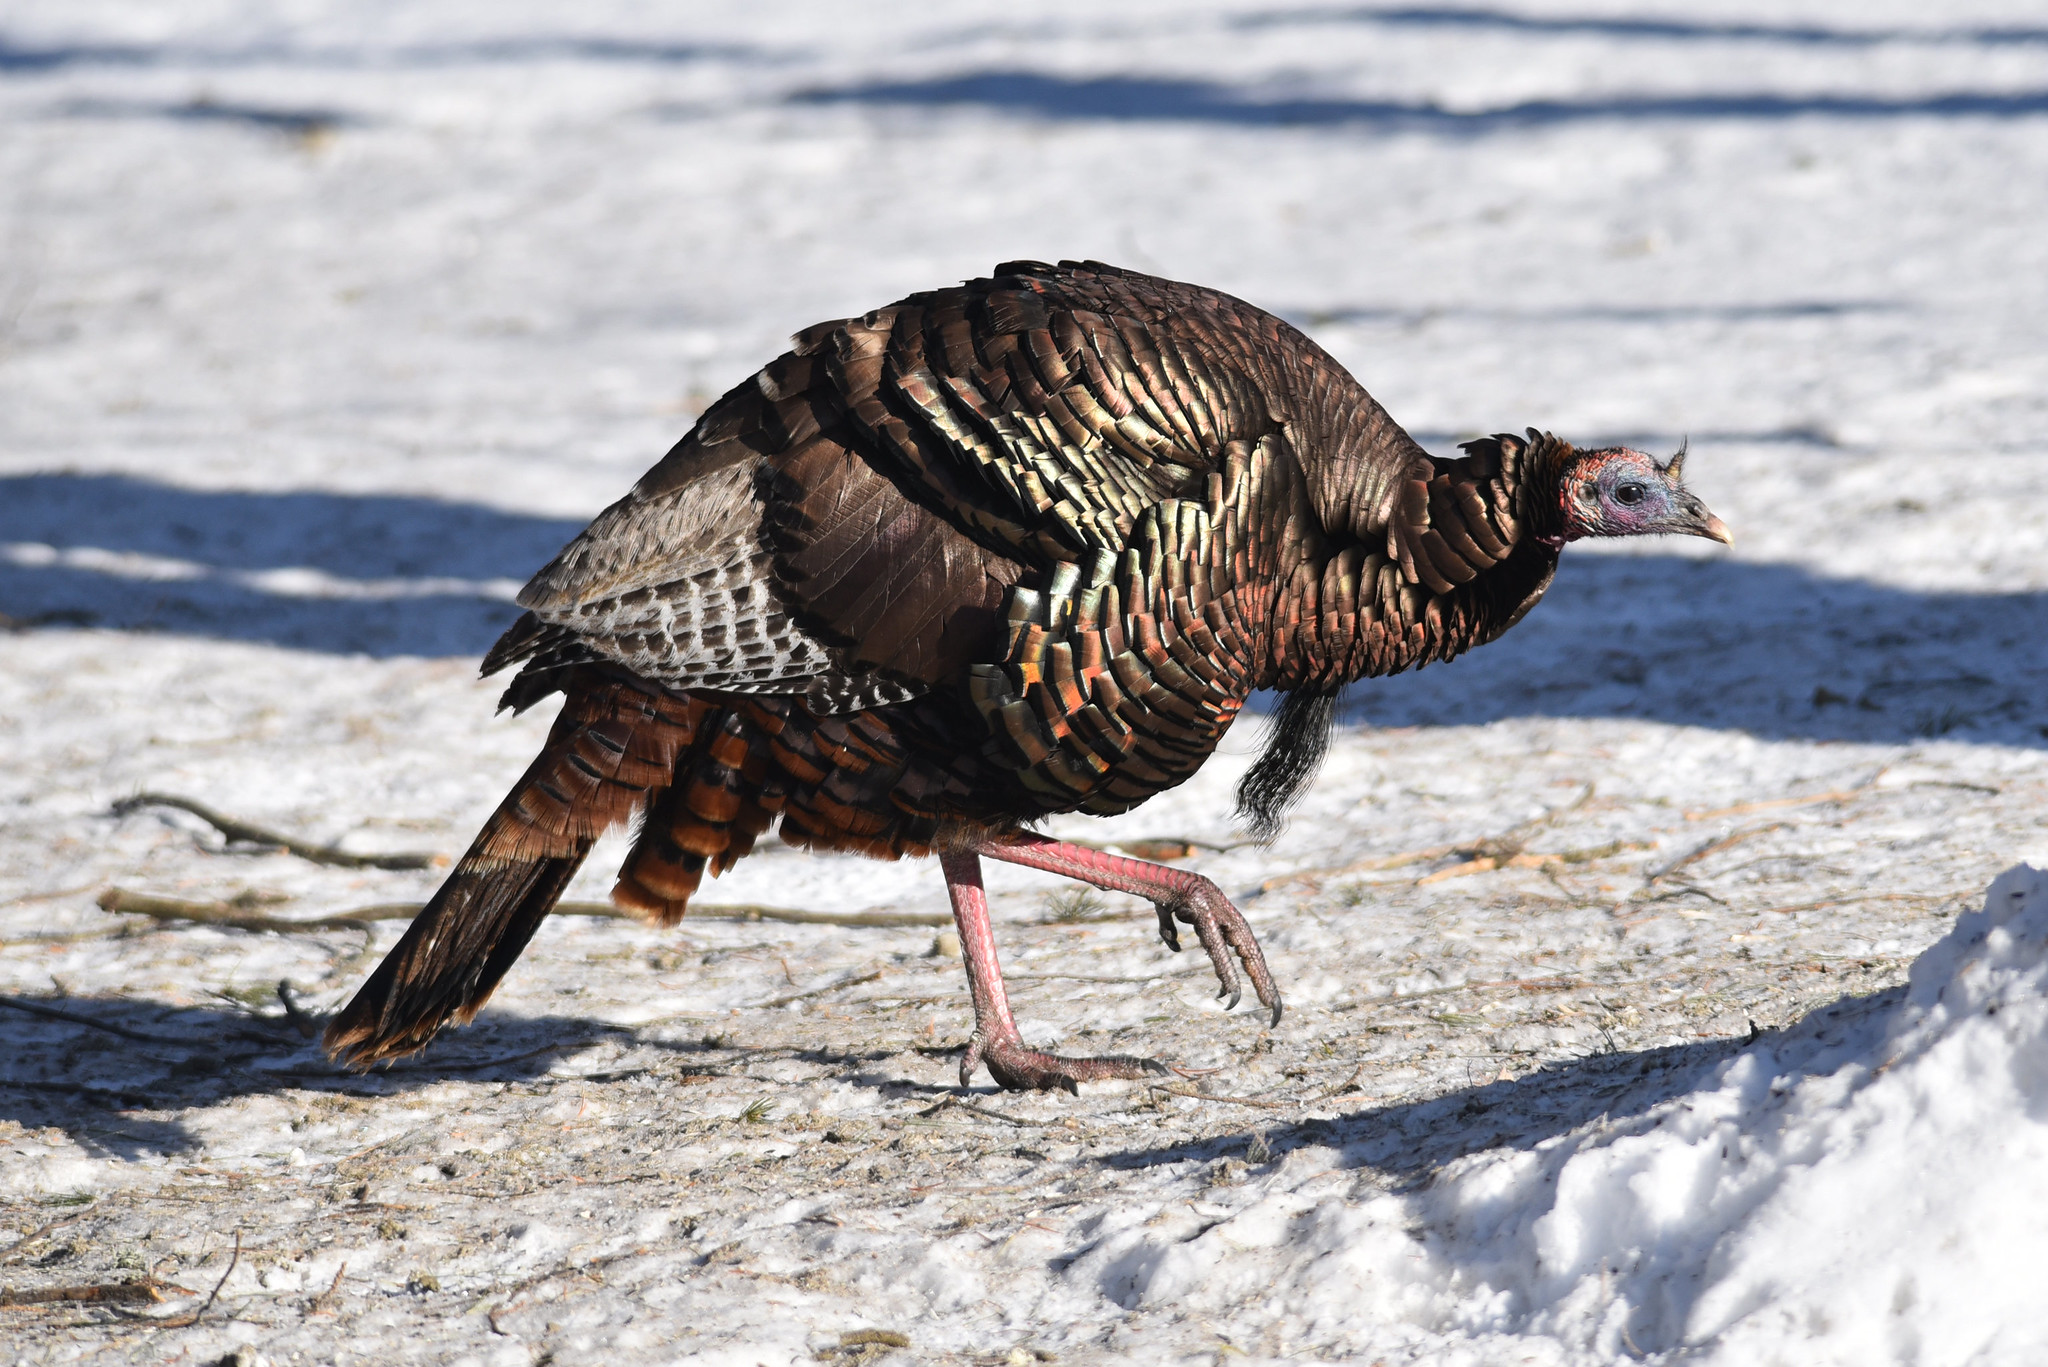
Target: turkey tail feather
[(613, 749), (450, 960)]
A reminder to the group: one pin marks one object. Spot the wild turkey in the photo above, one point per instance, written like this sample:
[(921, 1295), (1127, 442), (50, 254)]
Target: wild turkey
[(1019, 547)]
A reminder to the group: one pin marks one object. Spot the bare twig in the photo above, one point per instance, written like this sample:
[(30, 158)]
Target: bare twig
[(323, 1304), (792, 915), (1712, 847), (1489, 852), (854, 981), (1233, 1100), (304, 1021), (1391, 861), (1848, 898), (51, 896), (187, 1321), (898, 1000), (1141, 912), (16, 1254), (55, 1014), (1556, 984), (1349, 1084), (1778, 803), (954, 1103), (587, 1270), (248, 833), (1190, 971), (1486, 863)]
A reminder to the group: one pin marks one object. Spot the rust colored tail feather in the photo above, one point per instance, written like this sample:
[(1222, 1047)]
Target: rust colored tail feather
[(613, 749), (725, 795)]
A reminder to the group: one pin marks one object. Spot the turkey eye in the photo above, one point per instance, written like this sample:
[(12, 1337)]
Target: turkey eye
[(1628, 495)]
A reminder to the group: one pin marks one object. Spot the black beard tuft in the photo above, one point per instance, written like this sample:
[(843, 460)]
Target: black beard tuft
[(1301, 736)]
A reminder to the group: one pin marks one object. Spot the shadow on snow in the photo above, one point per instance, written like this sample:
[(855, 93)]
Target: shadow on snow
[(1160, 99), (1407, 1141), (114, 1075), (1773, 650), (1474, 19), (118, 1094), (27, 57), (392, 575)]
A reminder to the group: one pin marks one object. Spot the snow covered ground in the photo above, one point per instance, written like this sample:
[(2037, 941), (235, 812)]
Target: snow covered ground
[(1645, 996)]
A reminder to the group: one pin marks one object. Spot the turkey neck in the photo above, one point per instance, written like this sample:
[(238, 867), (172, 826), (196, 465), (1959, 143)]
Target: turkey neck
[(1424, 564)]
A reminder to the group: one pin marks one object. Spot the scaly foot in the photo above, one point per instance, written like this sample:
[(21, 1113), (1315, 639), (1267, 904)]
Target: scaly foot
[(1018, 1069)]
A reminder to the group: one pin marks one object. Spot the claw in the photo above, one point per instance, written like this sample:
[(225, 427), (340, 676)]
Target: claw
[(1228, 939), (1018, 1069), (1168, 932)]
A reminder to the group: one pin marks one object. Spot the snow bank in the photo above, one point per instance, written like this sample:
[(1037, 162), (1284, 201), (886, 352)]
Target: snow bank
[(1868, 1186)]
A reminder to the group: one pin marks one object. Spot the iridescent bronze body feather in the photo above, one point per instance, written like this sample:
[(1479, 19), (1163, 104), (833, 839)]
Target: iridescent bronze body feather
[(1020, 547)]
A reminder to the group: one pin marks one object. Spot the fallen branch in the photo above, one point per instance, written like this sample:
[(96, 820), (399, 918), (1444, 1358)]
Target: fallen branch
[(1096, 918), (142, 1291), (230, 913), (248, 833), (1776, 804), (897, 1001), (239, 913), (29, 897)]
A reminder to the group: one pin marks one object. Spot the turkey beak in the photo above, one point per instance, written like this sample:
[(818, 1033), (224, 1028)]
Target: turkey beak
[(1693, 519)]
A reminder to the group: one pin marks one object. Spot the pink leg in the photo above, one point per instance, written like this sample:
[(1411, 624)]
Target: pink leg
[(1189, 896), (996, 1041)]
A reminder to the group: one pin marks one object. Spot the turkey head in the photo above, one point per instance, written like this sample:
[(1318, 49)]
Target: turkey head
[(1616, 491)]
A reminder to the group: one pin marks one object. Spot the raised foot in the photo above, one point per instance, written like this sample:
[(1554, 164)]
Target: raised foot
[(1018, 1069), (1221, 928)]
